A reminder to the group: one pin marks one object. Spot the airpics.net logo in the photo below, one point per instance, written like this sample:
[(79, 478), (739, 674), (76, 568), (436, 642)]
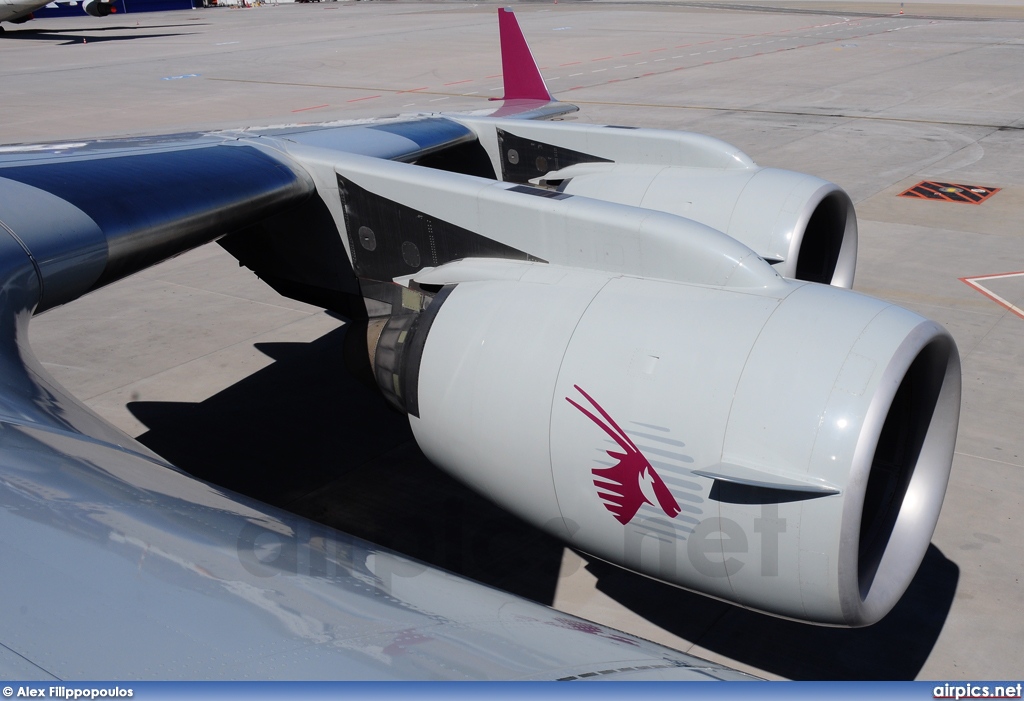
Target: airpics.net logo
[(972, 690), (715, 547)]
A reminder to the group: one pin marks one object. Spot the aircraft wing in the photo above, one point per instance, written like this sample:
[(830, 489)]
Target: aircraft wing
[(638, 340)]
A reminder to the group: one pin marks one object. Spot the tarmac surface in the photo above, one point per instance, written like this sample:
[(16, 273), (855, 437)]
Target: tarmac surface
[(248, 390)]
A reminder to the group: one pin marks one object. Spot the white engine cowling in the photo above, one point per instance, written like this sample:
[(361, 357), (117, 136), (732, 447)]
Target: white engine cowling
[(806, 224), (785, 450), (99, 8)]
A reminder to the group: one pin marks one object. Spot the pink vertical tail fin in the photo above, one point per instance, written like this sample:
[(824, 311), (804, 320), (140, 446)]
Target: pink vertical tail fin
[(521, 75)]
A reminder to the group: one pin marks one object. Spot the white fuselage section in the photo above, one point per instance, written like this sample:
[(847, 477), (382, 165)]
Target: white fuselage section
[(11, 10)]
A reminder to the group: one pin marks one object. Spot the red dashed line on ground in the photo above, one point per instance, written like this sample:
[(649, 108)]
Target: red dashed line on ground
[(633, 53), (360, 99), (603, 58), (571, 63), (460, 82), (657, 50), (306, 109), (492, 76), (425, 87)]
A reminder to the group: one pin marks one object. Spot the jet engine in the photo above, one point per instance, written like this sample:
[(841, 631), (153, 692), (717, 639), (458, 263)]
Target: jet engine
[(99, 8), (786, 449), (649, 389), (805, 226)]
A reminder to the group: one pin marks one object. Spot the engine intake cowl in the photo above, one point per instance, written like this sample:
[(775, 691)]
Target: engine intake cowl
[(806, 226), (99, 8)]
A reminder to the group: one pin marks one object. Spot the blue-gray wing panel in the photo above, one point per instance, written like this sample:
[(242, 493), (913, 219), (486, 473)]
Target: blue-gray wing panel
[(152, 205)]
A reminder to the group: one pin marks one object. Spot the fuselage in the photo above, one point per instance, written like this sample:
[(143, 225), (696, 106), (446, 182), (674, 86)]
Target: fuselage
[(14, 10)]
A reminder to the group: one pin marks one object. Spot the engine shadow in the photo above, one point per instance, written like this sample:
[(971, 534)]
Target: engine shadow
[(305, 435), (893, 649)]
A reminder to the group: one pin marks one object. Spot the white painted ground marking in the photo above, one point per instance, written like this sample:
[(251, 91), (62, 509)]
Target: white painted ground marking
[(973, 282)]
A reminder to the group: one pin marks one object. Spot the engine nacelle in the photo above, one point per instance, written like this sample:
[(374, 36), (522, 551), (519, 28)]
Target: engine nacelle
[(99, 8), (785, 450), (804, 225)]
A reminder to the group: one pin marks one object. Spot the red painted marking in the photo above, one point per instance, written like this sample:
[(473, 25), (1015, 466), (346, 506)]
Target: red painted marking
[(576, 87), (646, 74), (460, 82), (683, 46), (522, 78), (360, 99), (493, 76), (633, 53), (619, 486), (603, 58), (425, 87), (657, 50), (304, 109), (571, 63)]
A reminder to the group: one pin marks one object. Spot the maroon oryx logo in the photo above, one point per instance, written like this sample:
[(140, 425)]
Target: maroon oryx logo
[(625, 487)]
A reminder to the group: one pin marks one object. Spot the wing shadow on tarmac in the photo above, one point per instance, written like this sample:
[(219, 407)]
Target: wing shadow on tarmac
[(305, 435), (68, 37)]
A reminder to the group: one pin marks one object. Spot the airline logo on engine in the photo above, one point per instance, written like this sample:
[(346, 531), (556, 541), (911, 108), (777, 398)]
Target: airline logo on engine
[(632, 482)]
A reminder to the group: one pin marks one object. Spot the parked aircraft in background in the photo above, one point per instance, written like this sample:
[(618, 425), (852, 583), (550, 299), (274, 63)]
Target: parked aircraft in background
[(20, 11), (637, 340)]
